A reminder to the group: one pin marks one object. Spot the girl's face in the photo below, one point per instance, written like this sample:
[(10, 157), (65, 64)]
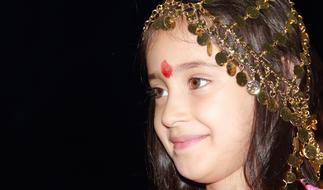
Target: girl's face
[(202, 116)]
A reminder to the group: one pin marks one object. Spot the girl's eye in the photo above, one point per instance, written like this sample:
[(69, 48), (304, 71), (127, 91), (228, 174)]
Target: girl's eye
[(196, 83), (158, 92)]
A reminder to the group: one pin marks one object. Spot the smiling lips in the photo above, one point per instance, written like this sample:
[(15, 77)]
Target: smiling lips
[(183, 142)]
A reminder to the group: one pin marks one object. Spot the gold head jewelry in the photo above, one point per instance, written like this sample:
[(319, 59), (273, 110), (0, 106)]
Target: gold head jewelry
[(272, 89)]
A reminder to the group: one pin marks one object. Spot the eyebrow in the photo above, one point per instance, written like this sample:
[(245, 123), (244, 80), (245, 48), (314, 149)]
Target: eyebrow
[(185, 66)]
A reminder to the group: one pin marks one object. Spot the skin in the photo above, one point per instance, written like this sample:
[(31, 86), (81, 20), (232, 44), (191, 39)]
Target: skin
[(200, 99)]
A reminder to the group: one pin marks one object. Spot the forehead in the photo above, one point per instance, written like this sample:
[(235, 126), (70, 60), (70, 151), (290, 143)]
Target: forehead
[(175, 46)]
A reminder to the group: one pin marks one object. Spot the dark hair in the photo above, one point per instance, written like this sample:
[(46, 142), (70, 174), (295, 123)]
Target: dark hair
[(271, 139)]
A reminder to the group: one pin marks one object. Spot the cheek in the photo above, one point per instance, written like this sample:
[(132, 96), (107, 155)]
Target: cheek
[(157, 123), (228, 113), (160, 130)]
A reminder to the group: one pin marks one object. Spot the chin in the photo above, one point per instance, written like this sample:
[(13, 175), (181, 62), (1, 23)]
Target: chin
[(200, 174), (195, 174)]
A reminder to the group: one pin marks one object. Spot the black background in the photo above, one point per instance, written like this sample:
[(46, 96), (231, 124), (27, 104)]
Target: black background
[(74, 108)]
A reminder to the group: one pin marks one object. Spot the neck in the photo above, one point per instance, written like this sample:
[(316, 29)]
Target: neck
[(235, 181)]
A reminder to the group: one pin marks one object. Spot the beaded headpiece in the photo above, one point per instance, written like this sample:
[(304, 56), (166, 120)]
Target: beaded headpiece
[(272, 89)]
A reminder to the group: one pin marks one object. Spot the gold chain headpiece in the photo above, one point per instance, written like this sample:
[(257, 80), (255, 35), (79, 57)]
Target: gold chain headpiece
[(271, 88)]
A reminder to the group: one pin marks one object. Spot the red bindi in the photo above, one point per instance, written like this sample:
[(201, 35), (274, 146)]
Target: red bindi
[(166, 69)]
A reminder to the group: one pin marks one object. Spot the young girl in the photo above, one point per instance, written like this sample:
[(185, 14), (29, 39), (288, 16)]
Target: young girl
[(232, 102)]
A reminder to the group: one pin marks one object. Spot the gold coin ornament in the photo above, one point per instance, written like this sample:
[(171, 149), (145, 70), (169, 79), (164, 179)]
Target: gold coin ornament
[(203, 39), (262, 97), (231, 68), (303, 135), (253, 87), (290, 177), (272, 105), (262, 4), (241, 78), (192, 28), (221, 58), (310, 152), (286, 113), (209, 48), (252, 12), (294, 161), (299, 71)]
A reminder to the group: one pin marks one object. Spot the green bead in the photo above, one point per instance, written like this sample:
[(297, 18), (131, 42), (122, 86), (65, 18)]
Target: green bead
[(290, 177), (240, 21), (158, 23), (241, 78), (272, 105), (192, 28), (252, 12), (178, 12), (262, 98), (197, 6), (299, 71), (286, 114), (292, 18), (310, 152), (221, 58), (280, 38), (294, 160), (268, 48), (303, 135), (203, 39), (262, 4)]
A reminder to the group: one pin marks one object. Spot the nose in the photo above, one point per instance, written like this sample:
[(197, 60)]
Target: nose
[(176, 110)]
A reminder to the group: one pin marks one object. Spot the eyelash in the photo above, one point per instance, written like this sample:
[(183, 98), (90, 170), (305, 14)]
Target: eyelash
[(154, 92)]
